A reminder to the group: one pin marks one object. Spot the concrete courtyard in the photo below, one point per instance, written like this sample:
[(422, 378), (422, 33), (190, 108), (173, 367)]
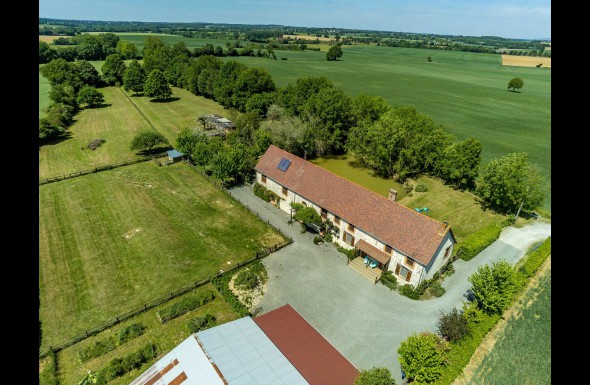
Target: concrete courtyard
[(366, 322)]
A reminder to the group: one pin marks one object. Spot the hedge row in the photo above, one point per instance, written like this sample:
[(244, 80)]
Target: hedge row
[(196, 324), (186, 304), (104, 346), (479, 240), (263, 193), (535, 259), (120, 366), (222, 285)]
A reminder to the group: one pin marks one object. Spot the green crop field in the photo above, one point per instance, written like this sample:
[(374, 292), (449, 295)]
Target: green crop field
[(117, 122), (465, 92), (523, 353), (114, 240)]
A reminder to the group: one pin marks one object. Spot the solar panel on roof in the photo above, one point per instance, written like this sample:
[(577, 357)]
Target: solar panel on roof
[(281, 163), (286, 165)]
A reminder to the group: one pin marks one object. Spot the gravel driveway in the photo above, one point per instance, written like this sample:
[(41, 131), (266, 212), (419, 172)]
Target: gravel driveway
[(366, 322)]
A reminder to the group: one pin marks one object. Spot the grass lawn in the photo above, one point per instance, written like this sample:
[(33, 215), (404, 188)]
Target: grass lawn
[(117, 122), (112, 241), (166, 336), (44, 89), (460, 209)]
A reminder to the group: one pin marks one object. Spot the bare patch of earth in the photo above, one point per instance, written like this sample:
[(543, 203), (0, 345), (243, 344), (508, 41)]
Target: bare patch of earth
[(488, 342), (250, 298)]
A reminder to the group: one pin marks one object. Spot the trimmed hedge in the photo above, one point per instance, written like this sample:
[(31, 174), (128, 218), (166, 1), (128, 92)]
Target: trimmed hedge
[(186, 304), (104, 346), (535, 259), (196, 324), (479, 240)]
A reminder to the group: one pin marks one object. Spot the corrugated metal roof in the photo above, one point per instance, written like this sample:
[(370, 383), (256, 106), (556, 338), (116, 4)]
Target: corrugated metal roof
[(313, 356), (245, 355), (174, 153), (187, 358)]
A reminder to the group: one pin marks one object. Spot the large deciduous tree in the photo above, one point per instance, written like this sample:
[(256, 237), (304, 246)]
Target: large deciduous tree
[(148, 140), (422, 356), (334, 53), (90, 96), (155, 55), (452, 325), (493, 286), (510, 181), (459, 163), (293, 97), (515, 84), (127, 50), (156, 86), (134, 77), (375, 376), (113, 70)]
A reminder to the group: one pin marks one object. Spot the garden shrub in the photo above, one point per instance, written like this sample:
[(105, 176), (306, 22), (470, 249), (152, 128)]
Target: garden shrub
[(129, 332), (493, 286), (472, 313), (260, 192), (328, 238), (452, 325), (317, 240), (388, 279), (222, 285), (408, 291), (350, 253), (421, 188), (423, 356), (474, 243), (119, 366), (186, 304), (246, 280), (436, 289), (196, 324)]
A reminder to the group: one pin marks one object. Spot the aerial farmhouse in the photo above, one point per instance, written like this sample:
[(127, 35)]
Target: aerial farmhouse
[(386, 234)]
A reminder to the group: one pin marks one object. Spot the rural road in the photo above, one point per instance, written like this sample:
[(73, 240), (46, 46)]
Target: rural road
[(366, 322)]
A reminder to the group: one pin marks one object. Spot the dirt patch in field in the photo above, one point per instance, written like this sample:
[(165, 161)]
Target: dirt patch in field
[(526, 61), (488, 342), (309, 37)]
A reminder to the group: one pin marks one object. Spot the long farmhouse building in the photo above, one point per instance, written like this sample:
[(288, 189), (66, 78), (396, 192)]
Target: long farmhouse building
[(391, 236)]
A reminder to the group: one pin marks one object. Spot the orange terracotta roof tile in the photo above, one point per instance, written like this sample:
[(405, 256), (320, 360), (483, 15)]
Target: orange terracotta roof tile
[(409, 232)]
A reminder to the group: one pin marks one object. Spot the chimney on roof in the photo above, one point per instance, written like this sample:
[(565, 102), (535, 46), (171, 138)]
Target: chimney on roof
[(392, 195)]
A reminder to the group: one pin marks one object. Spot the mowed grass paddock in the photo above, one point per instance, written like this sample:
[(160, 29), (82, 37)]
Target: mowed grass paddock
[(117, 122), (112, 241)]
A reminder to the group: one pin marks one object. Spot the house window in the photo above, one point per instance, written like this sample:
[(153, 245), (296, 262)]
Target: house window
[(348, 238), (447, 252), (387, 249), (285, 191), (336, 219), (403, 272), (409, 262), (324, 213), (263, 179), (350, 228)]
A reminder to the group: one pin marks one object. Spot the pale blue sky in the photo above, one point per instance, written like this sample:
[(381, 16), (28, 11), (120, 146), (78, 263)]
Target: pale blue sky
[(521, 19)]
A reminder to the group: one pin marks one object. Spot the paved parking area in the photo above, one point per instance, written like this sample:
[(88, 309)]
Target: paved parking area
[(366, 322)]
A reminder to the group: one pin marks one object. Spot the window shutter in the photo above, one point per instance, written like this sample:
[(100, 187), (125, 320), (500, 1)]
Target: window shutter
[(351, 241), (397, 268), (408, 276)]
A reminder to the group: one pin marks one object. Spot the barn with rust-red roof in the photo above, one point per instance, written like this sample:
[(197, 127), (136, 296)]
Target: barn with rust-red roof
[(386, 234)]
